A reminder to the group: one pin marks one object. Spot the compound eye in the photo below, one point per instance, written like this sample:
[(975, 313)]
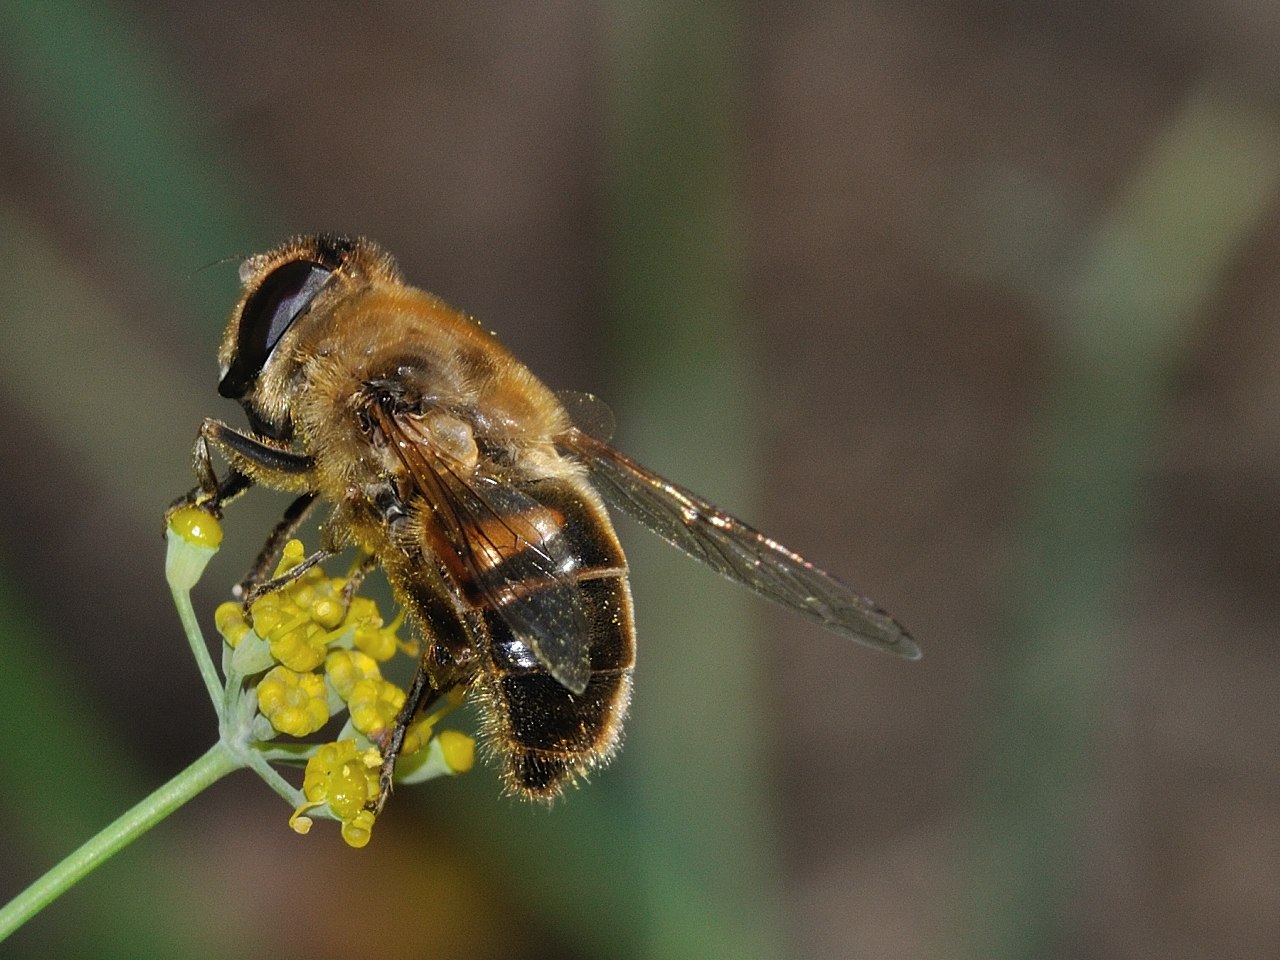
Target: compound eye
[(281, 297)]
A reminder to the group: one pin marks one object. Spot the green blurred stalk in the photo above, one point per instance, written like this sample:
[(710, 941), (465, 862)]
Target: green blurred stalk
[(701, 820), (1123, 325), (47, 793), (137, 156), (103, 363)]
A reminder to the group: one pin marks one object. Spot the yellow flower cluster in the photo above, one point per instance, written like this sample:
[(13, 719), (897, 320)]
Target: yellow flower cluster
[(314, 652), (346, 780), (294, 702)]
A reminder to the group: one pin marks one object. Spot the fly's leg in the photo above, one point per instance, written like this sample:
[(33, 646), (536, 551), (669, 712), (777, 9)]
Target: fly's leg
[(252, 461), (368, 563), (289, 576), (270, 553), (257, 583), (421, 694), (210, 493)]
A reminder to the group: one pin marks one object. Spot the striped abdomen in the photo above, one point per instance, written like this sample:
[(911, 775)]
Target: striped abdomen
[(543, 573), (548, 734)]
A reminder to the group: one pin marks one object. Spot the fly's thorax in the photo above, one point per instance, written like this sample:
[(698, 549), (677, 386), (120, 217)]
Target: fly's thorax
[(448, 435)]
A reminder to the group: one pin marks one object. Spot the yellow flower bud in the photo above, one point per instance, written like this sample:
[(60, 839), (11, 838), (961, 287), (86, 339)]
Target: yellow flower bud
[(373, 705), (295, 703), (231, 623), (346, 668), (197, 526), (359, 829), (458, 749), (346, 781), (194, 536)]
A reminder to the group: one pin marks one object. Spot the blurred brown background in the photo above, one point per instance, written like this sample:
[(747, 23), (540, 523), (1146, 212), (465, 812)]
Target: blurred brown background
[(972, 303)]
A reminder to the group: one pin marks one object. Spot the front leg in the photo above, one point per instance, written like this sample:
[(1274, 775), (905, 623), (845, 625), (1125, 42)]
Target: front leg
[(211, 494), (252, 460), (259, 459)]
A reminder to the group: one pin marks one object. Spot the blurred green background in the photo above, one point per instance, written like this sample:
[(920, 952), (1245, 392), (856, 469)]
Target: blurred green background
[(973, 303)]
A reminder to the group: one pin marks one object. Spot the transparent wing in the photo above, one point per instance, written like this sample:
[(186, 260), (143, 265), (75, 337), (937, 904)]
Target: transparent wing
[(734, 549), (588, 413), (506, 551)]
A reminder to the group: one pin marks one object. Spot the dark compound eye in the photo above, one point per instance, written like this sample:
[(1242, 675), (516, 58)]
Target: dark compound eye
[(282, 297)]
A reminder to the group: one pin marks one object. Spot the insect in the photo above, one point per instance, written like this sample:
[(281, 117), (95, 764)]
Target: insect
[(451, 467)]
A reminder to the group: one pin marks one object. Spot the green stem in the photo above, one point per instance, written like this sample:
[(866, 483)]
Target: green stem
[(200, 649), (210, 768), (262, 767)]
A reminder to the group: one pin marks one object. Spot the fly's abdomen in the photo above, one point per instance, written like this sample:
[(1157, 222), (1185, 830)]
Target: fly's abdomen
[(547, 734)]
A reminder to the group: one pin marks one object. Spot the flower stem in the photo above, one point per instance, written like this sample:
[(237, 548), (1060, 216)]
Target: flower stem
[(195, 637), (210, 768), (262, 767)]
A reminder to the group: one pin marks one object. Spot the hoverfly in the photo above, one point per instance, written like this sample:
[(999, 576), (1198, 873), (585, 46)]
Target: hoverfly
[(450, 466)]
